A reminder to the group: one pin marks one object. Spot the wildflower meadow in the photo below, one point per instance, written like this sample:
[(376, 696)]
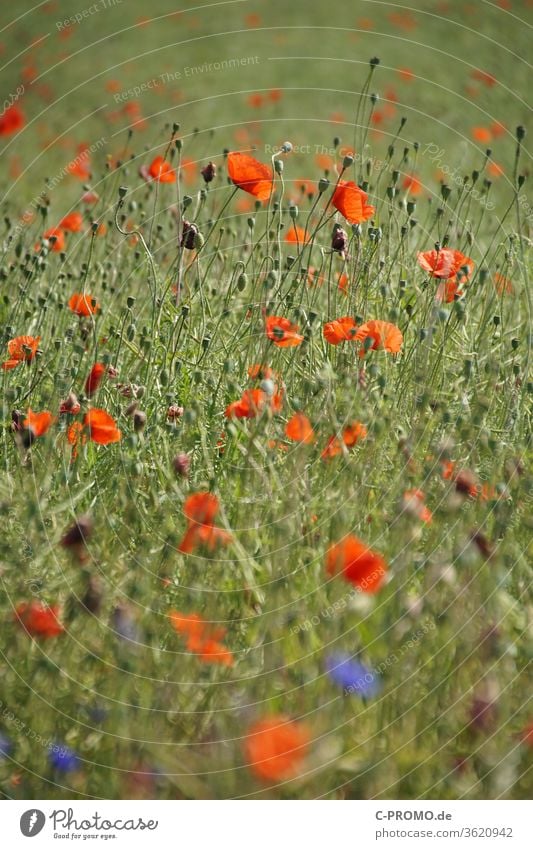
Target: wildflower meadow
[(266, 484)]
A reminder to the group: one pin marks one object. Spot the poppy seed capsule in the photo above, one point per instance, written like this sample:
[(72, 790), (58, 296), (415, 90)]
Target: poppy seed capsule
[(209, 172), (181, 463)]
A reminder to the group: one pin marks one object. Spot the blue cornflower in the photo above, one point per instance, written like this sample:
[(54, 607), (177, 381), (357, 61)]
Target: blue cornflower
[(62, 758), (353, 676)]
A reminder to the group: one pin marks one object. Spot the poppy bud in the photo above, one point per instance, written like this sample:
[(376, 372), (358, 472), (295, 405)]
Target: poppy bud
[(520, 133), (139, 421), (323, 184), (122, 192), (339, 240), (278, 165), (374, 62), (347, 162), (209, 172), (182, 464), (286, 147), (188, 235)]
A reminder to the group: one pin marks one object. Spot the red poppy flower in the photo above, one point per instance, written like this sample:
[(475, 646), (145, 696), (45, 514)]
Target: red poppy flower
[(482, 135), (343, 281), (354, 433), (448, 291), (200, 510), (255, 100), (382, 335), (351, 435), (357, 564), (250, 175), (202, 638), (413, 185), (249, 405), (333, 448), (297, 235), (282, 332), (94, 379), (299, 429), (83, 305), (20, 349), (445, 263), (351, 201), (38, 423), (406, 75), (495, 170), (503, 285), (276, 747), (12, 120), (102, 427), (260, 372), (39, 619), (56, 236), (161, 171), (80, 165), (340, 330), (484, 77), (72, 222), (306, 187), (201, 507), (413, 503)]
